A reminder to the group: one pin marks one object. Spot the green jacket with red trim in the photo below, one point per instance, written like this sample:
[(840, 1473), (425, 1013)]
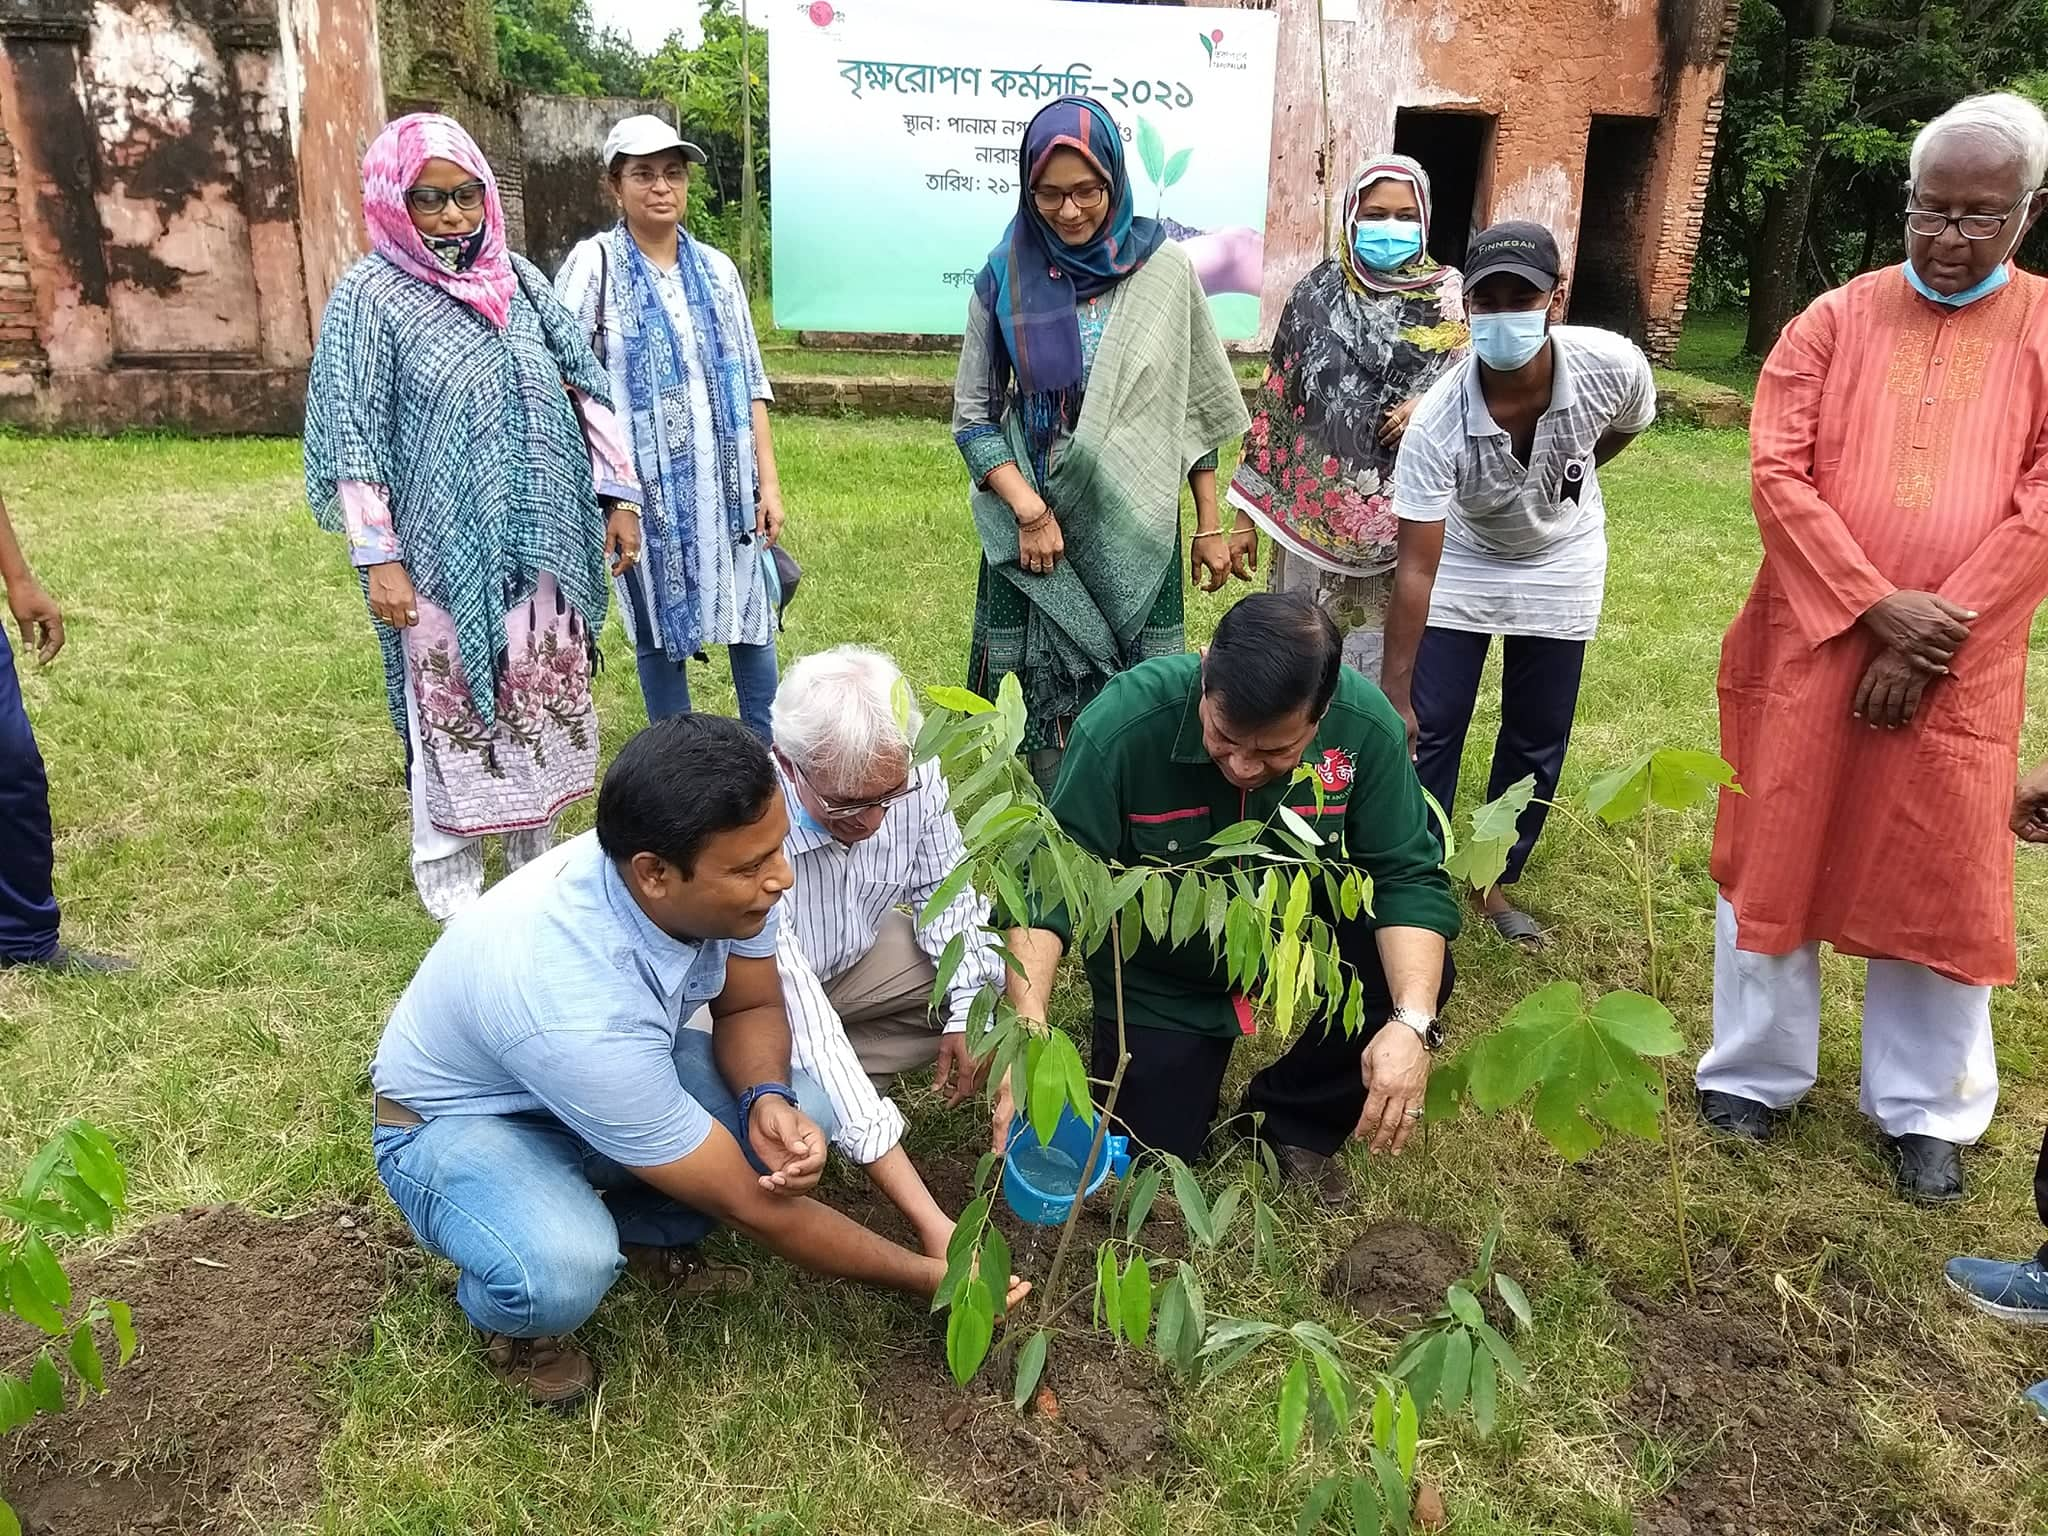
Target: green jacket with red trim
[(1137, 786)]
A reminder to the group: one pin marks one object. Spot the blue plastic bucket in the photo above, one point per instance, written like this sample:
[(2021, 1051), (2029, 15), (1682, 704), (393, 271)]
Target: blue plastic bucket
[(1048, 1207)]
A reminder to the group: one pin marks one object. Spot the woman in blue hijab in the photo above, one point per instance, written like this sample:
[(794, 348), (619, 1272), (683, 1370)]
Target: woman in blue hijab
[(1092, 386)]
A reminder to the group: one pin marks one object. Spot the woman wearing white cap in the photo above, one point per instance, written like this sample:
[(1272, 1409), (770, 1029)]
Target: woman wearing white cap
[(668, 319)]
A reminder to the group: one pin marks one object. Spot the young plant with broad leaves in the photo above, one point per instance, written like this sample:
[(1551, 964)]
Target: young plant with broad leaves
[(1261, 894), (73, 1186), (1594, 1066)]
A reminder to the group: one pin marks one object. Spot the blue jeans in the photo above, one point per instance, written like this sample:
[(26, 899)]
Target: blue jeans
[(532, 1216), (665, 684), (28, 907)]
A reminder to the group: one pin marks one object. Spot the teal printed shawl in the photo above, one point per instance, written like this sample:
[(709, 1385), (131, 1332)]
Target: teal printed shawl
[(472, 435)]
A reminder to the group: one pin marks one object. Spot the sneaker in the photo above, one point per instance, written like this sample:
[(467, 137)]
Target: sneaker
[(66, 961), (1733, 1115), (1930, 1169), (2013, 1293), (684, 1271), (547, 1370), (1323, 1177)]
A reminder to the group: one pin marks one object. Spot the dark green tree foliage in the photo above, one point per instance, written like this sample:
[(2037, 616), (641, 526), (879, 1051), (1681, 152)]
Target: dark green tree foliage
[(553, 48), (1823, 100), (703, 84)]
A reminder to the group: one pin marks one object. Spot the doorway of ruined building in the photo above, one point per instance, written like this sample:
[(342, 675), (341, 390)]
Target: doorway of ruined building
[(1607, 287), (1456, 148)]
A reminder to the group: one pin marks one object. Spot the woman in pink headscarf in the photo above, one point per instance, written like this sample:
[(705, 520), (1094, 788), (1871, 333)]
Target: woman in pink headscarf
[(459, 432)]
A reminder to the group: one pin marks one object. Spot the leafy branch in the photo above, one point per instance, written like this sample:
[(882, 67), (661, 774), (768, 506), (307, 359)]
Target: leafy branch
[(73, 1186), (1600, 1066)]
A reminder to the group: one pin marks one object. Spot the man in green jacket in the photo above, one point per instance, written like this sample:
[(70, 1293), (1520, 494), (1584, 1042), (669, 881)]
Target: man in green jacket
[(1174, 751)]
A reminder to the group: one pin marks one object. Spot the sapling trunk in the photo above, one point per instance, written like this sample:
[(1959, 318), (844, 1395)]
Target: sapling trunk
[(1649, 875), (1050, 1306)]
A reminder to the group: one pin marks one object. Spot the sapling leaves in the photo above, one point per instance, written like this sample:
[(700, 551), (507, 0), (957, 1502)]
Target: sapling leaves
[(970, 1326), (1483, 858), (1669, 778), (1592, 1068), (1030, 1366), (1293, 1408)]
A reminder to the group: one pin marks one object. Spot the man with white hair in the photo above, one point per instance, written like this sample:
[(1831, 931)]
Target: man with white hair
[(871, 835), (1872, 687)]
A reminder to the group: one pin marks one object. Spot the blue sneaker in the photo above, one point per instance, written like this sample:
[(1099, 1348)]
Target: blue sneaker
[(2036, 1397), (2015, 1293)]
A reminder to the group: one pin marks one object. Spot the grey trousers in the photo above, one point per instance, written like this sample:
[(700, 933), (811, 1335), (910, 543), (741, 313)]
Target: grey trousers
[(884, 1000)]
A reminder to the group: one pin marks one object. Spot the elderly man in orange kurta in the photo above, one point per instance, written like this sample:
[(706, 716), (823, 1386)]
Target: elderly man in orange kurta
[(1872, 686)]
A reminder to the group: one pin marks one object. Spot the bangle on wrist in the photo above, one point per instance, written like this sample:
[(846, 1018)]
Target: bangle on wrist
[(1213, 533), (1025, 525)]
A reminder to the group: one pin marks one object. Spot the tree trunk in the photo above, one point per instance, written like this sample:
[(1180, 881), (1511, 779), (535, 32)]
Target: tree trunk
[(1774, 259)]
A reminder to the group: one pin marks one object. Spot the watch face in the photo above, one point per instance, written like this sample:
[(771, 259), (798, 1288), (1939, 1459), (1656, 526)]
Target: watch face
[(1433, 1036)]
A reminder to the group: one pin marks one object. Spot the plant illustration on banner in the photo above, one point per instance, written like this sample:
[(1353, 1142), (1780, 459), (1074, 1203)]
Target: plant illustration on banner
[(1161, 169), (1257, 893)]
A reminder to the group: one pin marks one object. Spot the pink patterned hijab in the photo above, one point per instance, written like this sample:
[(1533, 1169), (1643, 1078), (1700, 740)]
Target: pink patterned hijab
[(389, 171)]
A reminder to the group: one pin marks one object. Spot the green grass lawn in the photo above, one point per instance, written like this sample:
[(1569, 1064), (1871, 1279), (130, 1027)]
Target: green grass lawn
[(1711, 349), (228, 798)]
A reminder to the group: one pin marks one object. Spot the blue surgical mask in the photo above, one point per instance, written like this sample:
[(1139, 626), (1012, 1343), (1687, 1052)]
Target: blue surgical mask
[(1386, 244), (803, 818), (1507, 340), (1998, 277)]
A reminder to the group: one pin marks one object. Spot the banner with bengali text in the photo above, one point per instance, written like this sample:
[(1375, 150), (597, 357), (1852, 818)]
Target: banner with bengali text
[(895, 126)]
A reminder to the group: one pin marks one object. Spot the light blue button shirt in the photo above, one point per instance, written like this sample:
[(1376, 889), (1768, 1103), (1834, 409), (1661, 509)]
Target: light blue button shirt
[(554, 992)]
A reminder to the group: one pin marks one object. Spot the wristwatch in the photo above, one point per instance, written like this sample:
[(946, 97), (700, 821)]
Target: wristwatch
[(747, 1099), (1425, 1025)]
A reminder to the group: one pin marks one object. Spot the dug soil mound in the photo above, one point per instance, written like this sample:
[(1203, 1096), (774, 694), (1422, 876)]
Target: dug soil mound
[(217, 1423), (1396, 1272), (1098, 1422), (1760, 1428)]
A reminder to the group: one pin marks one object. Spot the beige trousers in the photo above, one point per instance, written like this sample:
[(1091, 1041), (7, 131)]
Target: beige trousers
[(884, 1000)]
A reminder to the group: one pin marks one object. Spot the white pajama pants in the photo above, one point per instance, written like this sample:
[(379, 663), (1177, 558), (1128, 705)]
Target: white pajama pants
[(448, 870), (1928, 1067)]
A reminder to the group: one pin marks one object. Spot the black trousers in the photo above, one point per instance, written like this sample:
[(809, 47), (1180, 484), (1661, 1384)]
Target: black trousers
[(2041, 1192), (1311, 1097), (1539, 694)]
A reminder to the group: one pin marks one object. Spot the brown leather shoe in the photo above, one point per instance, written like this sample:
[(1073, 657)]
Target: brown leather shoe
[(548, 1370), (684, 1272), (1322, 1177)]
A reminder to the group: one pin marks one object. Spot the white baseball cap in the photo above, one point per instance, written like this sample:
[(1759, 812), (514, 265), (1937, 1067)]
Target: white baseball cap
[(647, 134)]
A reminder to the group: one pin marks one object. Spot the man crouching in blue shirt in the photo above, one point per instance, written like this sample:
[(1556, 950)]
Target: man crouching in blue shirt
[(545, 1120)]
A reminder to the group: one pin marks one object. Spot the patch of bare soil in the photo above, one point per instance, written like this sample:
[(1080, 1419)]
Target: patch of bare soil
[(216, 1424), (1762, 1426), (1396, 1271), (1098, 1422)]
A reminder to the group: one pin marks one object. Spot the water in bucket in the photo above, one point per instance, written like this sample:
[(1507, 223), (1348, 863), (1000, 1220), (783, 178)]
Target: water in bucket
[(1048, 1170)]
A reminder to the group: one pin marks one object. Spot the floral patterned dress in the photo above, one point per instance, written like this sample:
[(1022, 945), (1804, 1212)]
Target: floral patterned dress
[(1315, 475)]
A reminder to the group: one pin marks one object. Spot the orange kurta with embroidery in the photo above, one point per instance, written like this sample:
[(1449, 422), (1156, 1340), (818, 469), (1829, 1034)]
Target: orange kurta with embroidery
[(1896, 444)]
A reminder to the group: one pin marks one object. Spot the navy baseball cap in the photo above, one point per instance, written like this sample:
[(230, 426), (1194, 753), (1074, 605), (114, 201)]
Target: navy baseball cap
[(1518, 248)]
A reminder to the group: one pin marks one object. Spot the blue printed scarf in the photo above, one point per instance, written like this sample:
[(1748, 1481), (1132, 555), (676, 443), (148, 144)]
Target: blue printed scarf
[(665, 450)]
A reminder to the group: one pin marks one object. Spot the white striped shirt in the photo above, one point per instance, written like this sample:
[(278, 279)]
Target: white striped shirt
[(1525, 548), (831, 917)]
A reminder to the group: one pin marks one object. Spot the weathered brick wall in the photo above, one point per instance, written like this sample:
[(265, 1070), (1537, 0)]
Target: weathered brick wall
[(20, 346), (565, 195), (1693, 124)]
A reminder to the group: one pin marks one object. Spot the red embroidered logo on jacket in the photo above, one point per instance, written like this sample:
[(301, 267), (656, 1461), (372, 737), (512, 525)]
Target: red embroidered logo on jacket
[(1335, 771)]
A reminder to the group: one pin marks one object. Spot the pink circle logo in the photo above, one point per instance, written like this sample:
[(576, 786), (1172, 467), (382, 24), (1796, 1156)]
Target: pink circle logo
[(822, 14), (1216, 36)]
